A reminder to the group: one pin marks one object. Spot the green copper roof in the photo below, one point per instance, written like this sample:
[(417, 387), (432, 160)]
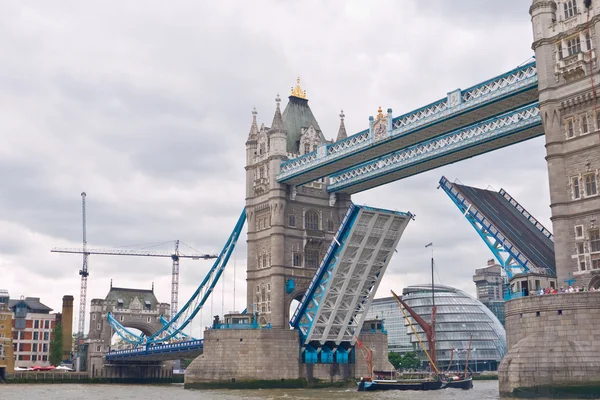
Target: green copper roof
[(297, 115)]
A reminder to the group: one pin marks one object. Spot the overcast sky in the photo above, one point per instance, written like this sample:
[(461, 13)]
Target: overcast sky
[(146, 106)]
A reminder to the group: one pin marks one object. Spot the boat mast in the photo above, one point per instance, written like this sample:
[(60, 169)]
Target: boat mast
[(431, 340)]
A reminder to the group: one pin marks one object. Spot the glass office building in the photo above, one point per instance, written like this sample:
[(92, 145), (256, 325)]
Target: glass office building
[(458, 317)]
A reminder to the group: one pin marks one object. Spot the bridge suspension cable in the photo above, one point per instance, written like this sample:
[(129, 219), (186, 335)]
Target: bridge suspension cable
[(173, 328)]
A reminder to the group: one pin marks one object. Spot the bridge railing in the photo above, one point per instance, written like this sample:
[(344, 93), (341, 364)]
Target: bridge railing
[(457, 102), (254, 325)]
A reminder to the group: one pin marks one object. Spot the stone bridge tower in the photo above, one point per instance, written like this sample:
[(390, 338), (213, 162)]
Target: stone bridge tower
[(133, 308), (565, 40), (289, 228)]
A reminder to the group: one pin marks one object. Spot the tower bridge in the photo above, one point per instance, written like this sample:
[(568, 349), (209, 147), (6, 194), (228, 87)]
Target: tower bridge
[(299, 212)]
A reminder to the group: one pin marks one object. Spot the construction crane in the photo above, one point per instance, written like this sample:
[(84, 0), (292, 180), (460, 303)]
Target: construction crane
[(84, 277), (175, 256)]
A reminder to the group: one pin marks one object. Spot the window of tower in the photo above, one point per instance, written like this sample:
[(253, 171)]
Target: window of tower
[(312, 258), (296, 259), (588, 41), (315, 147), (598, 121), (330, 225), (575, 187), (584, 124), (590, 185), (306, 148), (594, 240), (559, 50), (292, 220), (574, 45), (570, 8), (311, 221), (570, 128), (579, 232)]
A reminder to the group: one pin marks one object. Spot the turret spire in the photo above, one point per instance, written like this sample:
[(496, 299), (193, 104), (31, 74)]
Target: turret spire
[(254, 127), (277, 119), (342, 131)]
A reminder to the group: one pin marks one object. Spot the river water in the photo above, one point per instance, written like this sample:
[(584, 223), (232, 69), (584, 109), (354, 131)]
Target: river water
[(483, 390)]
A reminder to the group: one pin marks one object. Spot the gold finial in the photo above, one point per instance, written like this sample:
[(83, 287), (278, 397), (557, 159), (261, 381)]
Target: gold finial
[(297, 91), (379, 113)]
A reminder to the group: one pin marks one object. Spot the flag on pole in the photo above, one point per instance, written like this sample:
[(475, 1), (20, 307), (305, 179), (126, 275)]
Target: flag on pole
[(430, 244)]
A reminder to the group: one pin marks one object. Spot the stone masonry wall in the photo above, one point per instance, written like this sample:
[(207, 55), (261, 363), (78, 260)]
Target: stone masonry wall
[(553, 341), (270, 354)]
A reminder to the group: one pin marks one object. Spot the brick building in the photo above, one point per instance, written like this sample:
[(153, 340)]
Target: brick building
[(6, 345), (32, 327)]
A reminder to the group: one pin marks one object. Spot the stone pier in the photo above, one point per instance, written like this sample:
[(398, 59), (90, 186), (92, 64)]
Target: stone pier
[(266, 358), (553, 346)]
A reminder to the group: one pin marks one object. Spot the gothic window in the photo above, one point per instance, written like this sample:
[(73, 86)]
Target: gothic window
[(570, 129), (292, 220), (306, 148), (264, 262), (590, 185), (315, 147), (261, 173), (296, 259), (311, 221), (588, 41), (575, 187), (584, 124), (594, 240), (312, 258), (574, 45), (596, 264), (570, 8), (330, 225), (559, 51), (598, 121), (579, 232)]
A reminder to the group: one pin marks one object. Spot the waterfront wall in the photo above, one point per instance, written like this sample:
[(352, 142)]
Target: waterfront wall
[(553, 345), (270, 358)]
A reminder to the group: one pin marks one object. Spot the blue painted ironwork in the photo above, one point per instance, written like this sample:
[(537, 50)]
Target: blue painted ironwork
[(290, 285), (253, 325), (505, 125), (529, 217), (508, 255), (513, 295), (335, 305), (156, 349), (512, 83), (187, 313), (311, 299)]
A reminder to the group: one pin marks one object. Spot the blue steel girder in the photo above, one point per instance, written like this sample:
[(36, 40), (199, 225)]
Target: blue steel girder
[(337, 300), (506, 253), (163, 351), (512, 127), (498, 95)]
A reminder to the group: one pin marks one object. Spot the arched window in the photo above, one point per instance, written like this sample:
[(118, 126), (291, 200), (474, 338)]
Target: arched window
[(311, 221), (306, 148)]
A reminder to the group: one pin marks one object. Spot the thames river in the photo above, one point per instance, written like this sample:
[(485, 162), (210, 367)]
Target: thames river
[(482, 390)]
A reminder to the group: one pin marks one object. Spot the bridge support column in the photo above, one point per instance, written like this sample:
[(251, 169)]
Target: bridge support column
[(553, 346)]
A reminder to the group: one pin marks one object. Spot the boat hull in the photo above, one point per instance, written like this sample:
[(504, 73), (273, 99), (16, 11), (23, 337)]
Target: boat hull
[(464, 384), (375, 385)]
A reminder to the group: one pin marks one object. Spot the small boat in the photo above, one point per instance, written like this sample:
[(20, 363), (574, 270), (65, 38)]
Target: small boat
[(460, 381), (434, 380), (366, 385)]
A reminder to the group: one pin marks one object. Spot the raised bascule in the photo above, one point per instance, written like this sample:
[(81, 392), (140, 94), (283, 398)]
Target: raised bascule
[(308, 242)]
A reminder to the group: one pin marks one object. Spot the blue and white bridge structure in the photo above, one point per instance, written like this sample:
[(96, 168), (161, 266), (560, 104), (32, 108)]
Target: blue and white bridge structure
[(331, 314), (170, 341), (493, 114), (519, 242)]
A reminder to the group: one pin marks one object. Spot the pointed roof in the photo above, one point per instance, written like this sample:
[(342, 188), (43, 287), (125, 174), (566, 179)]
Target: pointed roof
[(254, 127), (298, 115), (342, 131), (277, 118)]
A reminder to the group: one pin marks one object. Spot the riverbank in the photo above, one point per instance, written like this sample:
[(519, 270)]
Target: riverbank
[(82, 377)]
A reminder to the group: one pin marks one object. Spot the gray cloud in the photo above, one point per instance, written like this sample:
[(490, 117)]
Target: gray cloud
[(147, 108)]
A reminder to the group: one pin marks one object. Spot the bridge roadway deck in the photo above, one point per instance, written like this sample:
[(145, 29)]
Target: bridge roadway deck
[(162, 352), (515, 89), (516, 227), (511, 128)]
